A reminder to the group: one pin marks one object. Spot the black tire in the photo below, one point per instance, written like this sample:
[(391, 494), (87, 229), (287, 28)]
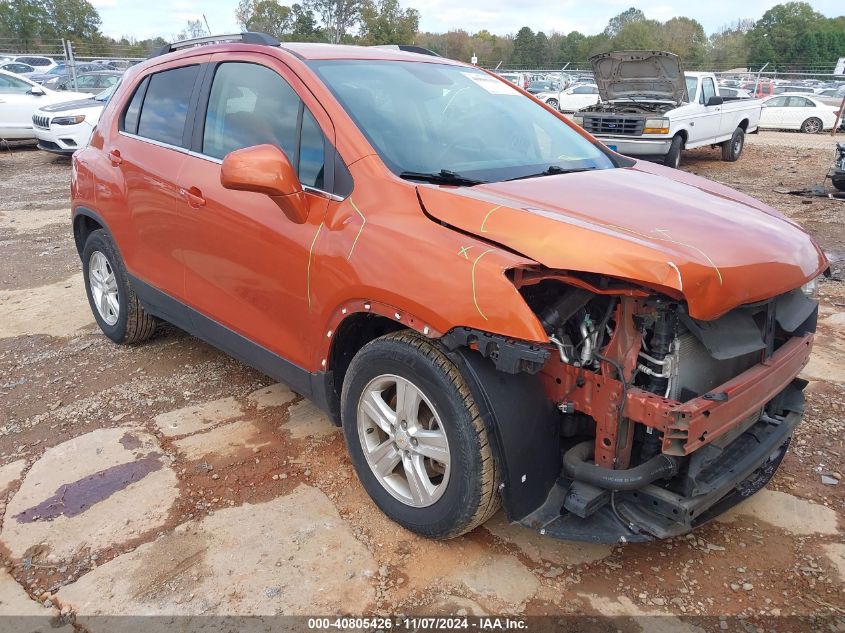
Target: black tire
[(812, 126), (732, 149), (471, 493), (673, 158), (132, 324), (838, 182), (552, 103)]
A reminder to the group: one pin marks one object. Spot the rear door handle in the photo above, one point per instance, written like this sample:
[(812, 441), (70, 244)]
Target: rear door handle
[(194, 197), (114, 157)]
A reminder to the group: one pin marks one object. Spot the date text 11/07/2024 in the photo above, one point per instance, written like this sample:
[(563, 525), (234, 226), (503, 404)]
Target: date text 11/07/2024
[(411, 623)]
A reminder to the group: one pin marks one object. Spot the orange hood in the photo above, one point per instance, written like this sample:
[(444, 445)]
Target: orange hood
[(715, 246)]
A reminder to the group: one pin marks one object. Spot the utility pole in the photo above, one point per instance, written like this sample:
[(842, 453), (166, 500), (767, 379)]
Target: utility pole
[(839, 116), (757, 81), (68, 48)]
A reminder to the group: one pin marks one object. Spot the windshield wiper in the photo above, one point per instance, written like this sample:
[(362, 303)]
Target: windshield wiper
[(553, 170), (443, 177)]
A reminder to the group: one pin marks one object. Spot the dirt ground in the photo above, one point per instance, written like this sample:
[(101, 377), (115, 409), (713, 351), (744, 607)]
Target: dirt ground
[(170, 479)]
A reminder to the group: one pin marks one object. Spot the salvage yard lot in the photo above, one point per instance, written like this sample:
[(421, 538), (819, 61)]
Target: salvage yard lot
[(170, 479)]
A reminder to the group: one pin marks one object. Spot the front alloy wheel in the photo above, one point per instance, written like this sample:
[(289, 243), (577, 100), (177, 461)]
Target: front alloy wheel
[(416, 436), (403, 440)]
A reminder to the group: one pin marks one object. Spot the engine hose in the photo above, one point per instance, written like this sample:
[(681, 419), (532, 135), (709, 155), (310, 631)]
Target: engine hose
[(575, 465)]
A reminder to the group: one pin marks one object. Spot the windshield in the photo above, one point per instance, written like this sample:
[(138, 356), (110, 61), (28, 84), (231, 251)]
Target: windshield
[(428, 117), (692, 87)]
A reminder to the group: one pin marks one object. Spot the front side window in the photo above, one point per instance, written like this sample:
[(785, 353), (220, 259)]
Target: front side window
[(106, 81), (429, 117), (87, 81), (776, 102), (13, 85), (707, 90), (251, 105), (165, 108), (692, 87)]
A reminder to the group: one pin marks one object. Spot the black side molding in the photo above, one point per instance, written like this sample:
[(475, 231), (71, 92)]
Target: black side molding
[(316, 386)]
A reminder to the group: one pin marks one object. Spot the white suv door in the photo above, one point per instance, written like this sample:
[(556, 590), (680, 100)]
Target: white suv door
[(16, 107)]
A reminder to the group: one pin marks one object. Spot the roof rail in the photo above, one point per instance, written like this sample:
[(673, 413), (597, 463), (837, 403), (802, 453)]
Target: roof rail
[(409, 48), (249, 37)]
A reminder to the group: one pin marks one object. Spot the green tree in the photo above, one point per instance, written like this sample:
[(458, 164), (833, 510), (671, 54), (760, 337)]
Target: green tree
[(617, 23), (265, 16), (304, 26), (684, 37), (728, 48), (23, 20), (775, 35), (570, 47), (385, 22), (638, 35), (542, 54), (524, 49), (337, 16), (72, 19)]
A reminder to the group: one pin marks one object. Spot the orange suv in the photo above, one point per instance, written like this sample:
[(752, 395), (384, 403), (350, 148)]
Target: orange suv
[(496, 307)]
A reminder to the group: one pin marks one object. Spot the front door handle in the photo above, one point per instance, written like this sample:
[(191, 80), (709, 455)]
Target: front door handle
[(194, 197), (114, 157)]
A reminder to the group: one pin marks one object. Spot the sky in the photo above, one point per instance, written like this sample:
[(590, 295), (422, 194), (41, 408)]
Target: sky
[(148, 18)]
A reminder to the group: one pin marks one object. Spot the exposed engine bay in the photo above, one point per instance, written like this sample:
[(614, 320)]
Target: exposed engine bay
[(663, 419), (630, 107)]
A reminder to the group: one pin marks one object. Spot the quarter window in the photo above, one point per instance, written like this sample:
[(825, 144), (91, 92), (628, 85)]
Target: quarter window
[(165, 108), (311, 152), (133, 110)]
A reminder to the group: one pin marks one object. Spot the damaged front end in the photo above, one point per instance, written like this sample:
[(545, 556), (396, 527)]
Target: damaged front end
[(662, 421)]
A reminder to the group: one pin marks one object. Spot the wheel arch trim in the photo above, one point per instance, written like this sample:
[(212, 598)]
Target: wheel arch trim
[(85, 212)]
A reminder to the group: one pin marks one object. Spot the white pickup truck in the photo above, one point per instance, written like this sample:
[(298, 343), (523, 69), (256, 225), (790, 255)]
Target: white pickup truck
[(651, 108)]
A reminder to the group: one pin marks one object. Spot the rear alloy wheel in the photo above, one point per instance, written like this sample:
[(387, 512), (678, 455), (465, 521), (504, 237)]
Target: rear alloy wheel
[(812, 126), (116, 309), (732, 149), (416, 438), (552, 103)]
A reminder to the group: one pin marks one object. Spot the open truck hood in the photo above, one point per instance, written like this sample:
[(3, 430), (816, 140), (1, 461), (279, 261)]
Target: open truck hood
[(643, 74), (647, 224)]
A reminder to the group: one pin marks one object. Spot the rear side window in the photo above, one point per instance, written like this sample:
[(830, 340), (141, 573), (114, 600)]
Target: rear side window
[(165, 107)]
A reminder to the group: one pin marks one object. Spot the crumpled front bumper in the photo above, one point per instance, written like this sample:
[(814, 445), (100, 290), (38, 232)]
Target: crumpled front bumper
[(653, 512)]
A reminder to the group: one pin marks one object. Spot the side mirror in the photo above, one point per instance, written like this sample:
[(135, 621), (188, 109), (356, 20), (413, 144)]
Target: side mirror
[(37, 91), (265, 169), (714, 101)]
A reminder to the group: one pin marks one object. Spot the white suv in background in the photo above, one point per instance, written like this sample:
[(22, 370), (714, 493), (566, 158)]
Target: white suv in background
[(19, 99), (63, 128), (39, 62)]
